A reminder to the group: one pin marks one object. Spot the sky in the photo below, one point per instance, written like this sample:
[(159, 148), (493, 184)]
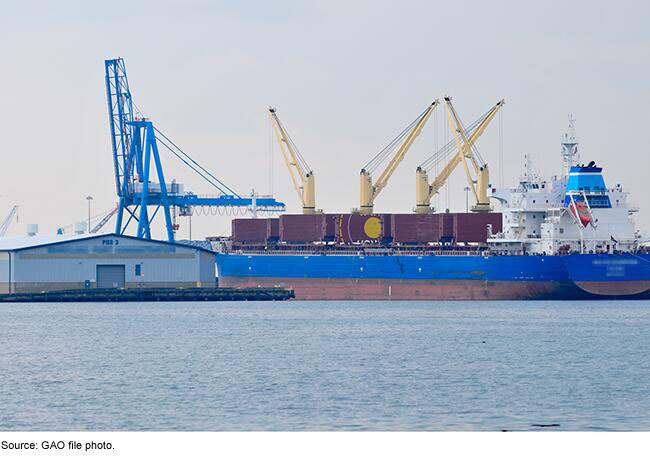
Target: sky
[(345, 77)]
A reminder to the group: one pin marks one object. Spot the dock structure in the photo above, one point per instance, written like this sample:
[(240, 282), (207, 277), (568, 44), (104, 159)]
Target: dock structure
[(47, 263), (92, 295)]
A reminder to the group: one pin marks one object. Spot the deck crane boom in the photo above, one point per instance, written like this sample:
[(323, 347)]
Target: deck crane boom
[(464, 139), (139, 176), (301, 174), (370, 191), (6, 223)]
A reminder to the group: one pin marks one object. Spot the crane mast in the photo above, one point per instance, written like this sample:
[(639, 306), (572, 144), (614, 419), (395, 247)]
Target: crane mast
[(120, 113), (464, 140), (301, 174), (370, 191)]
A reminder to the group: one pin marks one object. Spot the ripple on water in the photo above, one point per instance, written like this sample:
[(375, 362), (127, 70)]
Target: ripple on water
[(501, 366)]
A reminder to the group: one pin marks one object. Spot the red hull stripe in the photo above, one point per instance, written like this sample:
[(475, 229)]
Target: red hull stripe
[(391, 289)]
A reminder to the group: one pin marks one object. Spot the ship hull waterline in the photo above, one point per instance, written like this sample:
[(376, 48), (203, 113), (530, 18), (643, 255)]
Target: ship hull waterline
[(381, 289), (321, 277)]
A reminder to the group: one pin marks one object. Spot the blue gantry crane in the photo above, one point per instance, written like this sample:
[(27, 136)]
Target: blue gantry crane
[(143, 193)]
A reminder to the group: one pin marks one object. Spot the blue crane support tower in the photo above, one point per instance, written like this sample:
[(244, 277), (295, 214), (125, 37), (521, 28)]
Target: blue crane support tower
[(135, 145)]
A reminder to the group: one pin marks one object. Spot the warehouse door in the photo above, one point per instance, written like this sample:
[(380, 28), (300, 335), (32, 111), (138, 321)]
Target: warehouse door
[(110, 276)]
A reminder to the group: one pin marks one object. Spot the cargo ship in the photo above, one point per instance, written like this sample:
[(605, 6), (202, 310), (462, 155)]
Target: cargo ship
[(567, 237)]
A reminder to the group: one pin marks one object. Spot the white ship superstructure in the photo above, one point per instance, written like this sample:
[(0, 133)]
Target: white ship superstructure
[(573, 212)]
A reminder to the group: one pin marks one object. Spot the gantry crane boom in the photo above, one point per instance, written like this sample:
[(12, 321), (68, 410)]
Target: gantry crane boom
[(140, 180), (301, 174), (465, 139), (369, 192)]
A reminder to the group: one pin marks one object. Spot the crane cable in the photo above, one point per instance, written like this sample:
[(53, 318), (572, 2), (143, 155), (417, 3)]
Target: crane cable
[(477, 155), (376, 161), (205, 210), (444, 152), (301, 160), (228, 211), (189, 158), (501, 149), (229, 190)]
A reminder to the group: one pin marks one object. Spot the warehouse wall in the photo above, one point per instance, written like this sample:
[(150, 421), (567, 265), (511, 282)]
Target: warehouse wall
[(208, 269), (70, 264), (4, 272)]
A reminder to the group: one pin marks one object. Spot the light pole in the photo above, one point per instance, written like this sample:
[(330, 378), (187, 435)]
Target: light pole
[(466, 199), (88, 198)]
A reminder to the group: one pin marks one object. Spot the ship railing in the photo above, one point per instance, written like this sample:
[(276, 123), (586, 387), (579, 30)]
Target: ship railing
[(419, 253)]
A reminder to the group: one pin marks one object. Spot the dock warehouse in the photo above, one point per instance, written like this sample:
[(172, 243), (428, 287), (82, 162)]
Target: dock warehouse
[(58, 262)]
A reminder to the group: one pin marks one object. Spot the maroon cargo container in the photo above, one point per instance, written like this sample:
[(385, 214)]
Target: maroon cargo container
[(387, 225), (472, 227), (302, 228), (446, 225), (361, 228), (272, 229), (249, 229), (331, 221), (415, 228)]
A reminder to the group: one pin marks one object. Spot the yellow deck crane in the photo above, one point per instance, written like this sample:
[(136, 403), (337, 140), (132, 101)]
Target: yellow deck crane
[(463, 152), (301, 174), (401, 144)]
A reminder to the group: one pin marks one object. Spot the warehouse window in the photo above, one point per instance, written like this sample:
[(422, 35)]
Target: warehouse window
[(138, 270)]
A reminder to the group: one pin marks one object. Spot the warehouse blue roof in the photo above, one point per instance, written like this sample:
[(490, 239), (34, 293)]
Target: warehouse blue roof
[(10, 244)]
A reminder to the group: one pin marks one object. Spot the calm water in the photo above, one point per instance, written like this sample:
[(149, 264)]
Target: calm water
[(325, 366)]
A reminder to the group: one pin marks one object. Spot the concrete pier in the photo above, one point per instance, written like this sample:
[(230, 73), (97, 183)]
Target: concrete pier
[(151, 294)]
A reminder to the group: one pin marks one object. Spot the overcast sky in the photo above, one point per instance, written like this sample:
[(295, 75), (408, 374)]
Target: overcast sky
[(345, 76)]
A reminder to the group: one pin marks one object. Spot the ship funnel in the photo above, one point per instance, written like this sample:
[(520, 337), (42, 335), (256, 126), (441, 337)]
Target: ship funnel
[(586, 183), (32, 229)]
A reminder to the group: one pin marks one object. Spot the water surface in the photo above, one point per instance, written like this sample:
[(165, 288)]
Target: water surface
[(326, 366)]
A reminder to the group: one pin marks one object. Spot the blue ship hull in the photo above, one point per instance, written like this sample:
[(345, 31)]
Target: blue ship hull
[(329, 276)]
